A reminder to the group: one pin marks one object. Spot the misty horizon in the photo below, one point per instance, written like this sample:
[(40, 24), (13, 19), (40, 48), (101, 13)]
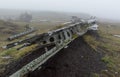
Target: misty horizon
[(108, 9)]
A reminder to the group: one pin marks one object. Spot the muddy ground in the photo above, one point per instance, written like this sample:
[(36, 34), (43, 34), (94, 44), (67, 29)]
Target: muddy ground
[(78, 60)]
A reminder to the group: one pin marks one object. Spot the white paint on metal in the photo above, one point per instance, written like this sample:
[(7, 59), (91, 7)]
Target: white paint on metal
[(93, 27)]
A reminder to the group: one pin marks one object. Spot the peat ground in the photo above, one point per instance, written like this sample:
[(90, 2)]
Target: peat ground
[(78, 60)]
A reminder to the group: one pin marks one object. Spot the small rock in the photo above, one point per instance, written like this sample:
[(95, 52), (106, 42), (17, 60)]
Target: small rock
[(116, 72), (82, 56), (106, 70)]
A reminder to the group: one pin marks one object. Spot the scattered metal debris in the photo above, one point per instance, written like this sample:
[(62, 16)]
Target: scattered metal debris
[(117, 36)]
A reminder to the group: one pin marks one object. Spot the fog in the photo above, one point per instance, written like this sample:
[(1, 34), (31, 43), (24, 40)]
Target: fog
[(100, 8)]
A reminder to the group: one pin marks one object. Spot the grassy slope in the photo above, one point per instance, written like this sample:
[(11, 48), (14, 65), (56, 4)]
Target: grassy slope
[(7, 29), (110, 45), (6, 56)]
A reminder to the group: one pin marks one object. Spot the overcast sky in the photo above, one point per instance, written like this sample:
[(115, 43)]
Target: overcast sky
[(100, 8)]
